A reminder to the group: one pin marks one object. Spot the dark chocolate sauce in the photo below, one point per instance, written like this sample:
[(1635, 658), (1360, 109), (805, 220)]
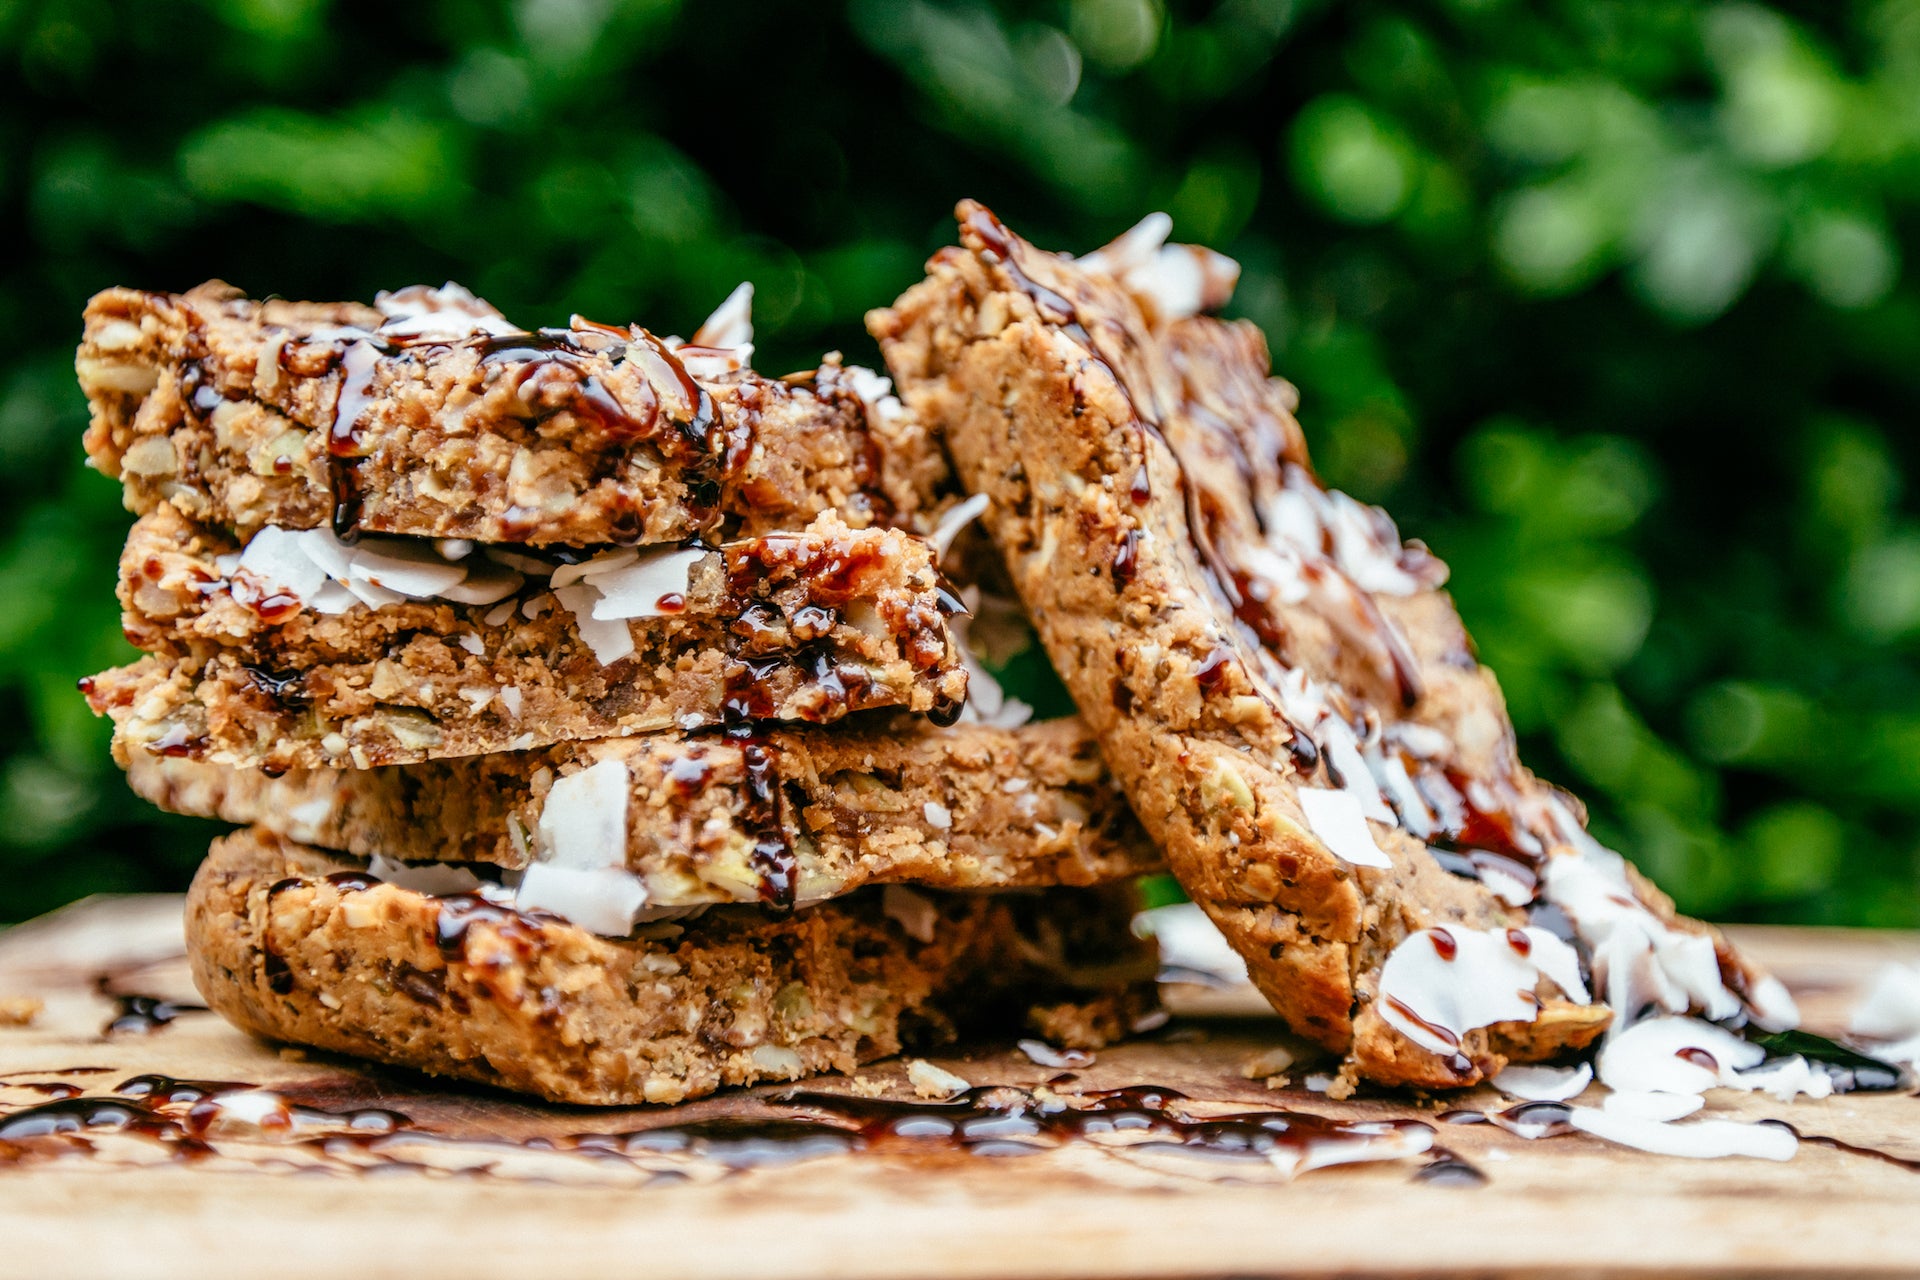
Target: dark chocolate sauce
[(1850, 1070), (1535, 1119), (773, 857), (1126, 559), (456, 914), (1909, 1163), (288, 1128), (273, 967), (345, 444), (265, 601), (1211, 674), (1002, 1121), (46, 1088), (1445, 1169), (178, 742), (142, 1015)]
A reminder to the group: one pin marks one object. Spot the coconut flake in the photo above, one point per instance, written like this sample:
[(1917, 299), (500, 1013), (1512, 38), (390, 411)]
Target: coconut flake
[(1340, 822), (1189, 940), (485, 584), (446, 314), (1544, 1084), (1173, 280), (1675, 1055), (1888, 1016), (1638, 960), (1700, 1139), (875, 393), (1042, 1054), (937, 815), (913, 912), (371, 594), (1440, 983), (634, 590), (410, 568), (1134, 247), (605, 900), (955, 519), (987, 703), (606, 562), (731, 324), (436, 879), (279, 558), (1356, 779), (610, 640), (583, 823), (510, 698)]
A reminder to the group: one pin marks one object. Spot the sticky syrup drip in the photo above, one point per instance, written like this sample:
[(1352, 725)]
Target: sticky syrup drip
[(286, 1129)]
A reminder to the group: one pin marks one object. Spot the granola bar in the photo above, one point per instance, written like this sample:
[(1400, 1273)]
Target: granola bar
[(294, 944), (1278, 681), (431, 415), (792, 815), (301, 651)]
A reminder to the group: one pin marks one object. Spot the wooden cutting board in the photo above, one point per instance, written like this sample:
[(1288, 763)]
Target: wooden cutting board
[(478, 1193)]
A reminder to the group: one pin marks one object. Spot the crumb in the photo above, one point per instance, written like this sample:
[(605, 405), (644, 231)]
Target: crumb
[(929, 1081), (20, 1011), (1344, 1084), (868, 1087), (1280, 1081), (1268, 1062)]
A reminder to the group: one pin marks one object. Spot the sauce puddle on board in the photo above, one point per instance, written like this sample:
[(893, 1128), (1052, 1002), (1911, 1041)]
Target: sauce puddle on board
[(153, 1119)]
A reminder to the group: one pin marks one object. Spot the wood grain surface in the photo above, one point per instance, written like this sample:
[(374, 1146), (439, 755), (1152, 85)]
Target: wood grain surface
[(465, 1207)]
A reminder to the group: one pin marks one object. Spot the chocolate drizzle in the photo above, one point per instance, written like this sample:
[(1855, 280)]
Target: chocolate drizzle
[(281, 1129), (773, 858), (345, 443)]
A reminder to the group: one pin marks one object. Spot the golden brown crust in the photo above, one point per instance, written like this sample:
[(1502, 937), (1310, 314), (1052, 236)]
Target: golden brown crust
[(965, 808), (456, 987)]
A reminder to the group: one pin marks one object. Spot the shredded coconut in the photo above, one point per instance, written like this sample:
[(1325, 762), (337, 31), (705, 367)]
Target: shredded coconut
[(913, 912), (1340, 823), (1440, 983), (583, 823), (1544, 1084), (956, 518), (1888, 1016)]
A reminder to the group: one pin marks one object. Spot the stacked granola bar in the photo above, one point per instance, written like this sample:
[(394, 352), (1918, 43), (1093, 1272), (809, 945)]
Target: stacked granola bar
[(596, 707)]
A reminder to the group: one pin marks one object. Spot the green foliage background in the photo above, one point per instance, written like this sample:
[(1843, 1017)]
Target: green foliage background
[(1606, 299)]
